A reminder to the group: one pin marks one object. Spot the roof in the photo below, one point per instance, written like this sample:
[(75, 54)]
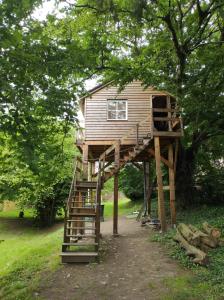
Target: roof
[(95, 89)]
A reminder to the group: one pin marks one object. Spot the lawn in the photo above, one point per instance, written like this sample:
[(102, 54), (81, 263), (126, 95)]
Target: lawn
[(206, 283), (125, 207), (26, 252)]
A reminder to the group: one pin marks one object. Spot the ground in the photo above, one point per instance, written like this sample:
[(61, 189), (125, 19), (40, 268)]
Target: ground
[(131, 267)]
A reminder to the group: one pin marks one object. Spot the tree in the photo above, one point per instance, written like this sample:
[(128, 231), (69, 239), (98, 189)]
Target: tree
[(174, 45), (131, 182)]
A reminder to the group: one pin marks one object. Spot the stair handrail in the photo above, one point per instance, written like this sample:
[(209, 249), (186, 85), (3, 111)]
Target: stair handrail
[(130, 131)]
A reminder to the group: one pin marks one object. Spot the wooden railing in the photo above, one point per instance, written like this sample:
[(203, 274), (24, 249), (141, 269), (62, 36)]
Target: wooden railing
[(173, 118), (77, 174), (136, 130)]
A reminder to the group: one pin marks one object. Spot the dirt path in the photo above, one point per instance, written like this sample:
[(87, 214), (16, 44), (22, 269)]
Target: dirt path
[(132, 268)]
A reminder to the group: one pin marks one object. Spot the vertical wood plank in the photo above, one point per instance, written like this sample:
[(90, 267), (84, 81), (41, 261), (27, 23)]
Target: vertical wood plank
[(115, 211), (169, 113), (161, 204), (146, 184), (172, 185), (85, 161), (115, 215)]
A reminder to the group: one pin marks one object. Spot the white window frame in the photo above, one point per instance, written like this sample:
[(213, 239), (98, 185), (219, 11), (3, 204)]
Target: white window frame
[(126, 109)]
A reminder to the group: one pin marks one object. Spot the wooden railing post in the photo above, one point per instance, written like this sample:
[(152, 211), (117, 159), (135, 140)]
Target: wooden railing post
[(169, 113)]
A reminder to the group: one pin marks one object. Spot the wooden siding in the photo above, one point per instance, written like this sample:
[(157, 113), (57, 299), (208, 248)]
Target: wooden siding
[(97, 127)]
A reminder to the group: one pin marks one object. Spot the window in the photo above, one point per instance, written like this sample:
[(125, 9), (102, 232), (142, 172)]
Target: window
[(117, 109)]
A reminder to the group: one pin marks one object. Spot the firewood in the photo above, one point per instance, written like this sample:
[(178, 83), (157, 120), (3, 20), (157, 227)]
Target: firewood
[(212, 231), (205, 239), (200, 257), (188, 234)]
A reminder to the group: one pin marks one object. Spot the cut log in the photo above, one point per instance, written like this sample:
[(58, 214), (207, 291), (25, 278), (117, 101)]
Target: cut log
[(212, 231), (205, 239), (188, 234), (200, 257)]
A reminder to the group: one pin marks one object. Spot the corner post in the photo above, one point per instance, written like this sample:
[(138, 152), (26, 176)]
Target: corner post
[(161, 204), (172, 185)]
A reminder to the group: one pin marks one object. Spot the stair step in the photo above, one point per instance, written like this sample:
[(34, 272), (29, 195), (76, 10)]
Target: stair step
[(72, 257), (81, 235), (86, 184), (86, 228), (79, 244), (82, 215), (90, 221)]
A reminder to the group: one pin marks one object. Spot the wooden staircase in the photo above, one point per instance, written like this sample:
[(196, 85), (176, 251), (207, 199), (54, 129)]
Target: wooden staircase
[(82, 218)]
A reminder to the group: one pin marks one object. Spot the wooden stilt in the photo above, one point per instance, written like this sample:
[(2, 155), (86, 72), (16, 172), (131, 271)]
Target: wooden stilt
[(115, 215), (172, 185), (146, 185), (115, 219), (161, 204)]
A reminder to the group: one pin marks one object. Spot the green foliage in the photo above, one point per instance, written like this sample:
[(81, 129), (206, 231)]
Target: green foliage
[(41, 178), (25, 254), (125, 207), (131, 182), (213, 275)]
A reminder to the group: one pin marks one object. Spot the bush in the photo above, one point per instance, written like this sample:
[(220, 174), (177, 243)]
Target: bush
[(131, 182)]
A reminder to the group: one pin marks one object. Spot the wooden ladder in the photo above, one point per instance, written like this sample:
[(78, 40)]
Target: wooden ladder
[(82, 218)]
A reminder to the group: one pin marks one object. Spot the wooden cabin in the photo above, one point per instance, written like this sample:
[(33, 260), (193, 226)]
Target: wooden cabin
[(132, 125)]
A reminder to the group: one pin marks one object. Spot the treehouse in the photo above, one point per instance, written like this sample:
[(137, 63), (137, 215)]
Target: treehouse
[(134, 125)]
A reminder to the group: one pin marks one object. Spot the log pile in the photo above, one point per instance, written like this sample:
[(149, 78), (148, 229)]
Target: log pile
[(197, 242)]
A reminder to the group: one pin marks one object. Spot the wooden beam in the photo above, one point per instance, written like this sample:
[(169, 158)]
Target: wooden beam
[(161, 204), (172, 186), (167, 133), (85, 161), (115, 212), (117, 164), (165, 161)]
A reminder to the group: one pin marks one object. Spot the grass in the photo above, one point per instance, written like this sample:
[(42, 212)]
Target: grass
[(25, 253), (207, 283), (125, 207)]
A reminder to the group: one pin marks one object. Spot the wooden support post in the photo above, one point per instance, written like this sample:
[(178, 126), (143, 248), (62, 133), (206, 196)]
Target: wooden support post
[(117, 163), (85, 161), (161, 204), (172, 185), (146, 185), (115, 216)]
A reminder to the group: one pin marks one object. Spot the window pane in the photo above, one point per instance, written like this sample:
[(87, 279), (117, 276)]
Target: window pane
[(111, 105), (121, 115), (112, 114), (121, 105)]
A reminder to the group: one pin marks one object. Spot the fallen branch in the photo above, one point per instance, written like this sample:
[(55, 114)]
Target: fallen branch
[(200, 257), (188, 234)]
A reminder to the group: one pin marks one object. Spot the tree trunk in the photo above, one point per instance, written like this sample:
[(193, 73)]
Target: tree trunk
[(184, 177), (46, 213)]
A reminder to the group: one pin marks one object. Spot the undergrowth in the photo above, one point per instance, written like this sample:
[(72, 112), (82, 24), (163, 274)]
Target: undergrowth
[(207, 282)]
